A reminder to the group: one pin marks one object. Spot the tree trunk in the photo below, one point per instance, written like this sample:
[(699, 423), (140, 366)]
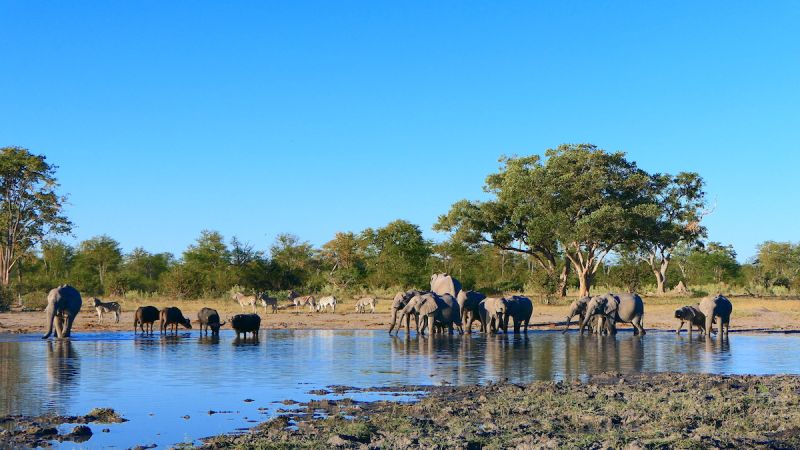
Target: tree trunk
[(5, 276), (661, 279), (562, 280), (584, 283)]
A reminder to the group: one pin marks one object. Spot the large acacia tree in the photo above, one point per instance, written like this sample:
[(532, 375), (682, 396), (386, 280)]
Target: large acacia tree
[(30, 207), (578, 202)]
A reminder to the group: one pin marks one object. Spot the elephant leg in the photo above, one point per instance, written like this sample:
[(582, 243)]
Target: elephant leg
[(639, 326), (69, 319), (709, 324), (59, 326)]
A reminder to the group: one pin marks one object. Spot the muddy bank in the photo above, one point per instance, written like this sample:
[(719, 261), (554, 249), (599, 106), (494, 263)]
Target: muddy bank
[(28, 432), (609, 411)]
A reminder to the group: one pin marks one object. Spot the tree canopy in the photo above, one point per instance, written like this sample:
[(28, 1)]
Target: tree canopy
[(30, 207)]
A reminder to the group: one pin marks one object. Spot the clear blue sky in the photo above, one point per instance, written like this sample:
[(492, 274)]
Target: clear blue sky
[(255, 118)]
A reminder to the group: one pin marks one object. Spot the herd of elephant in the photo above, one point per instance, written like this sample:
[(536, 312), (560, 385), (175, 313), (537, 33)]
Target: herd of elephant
[(446, 306)]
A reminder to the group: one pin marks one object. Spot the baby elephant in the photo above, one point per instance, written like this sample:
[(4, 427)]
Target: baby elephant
[(246, 323), (104, 308), (693, 316), (172, 317)]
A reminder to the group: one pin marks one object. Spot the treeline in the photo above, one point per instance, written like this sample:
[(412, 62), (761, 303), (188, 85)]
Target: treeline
[(395, 256), (575, 219)]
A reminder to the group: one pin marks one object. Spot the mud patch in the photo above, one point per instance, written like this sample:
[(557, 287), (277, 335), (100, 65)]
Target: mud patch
[(27, 431), (609, 411)]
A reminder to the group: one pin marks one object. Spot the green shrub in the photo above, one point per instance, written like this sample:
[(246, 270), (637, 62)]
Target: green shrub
[(34, 301), (6, 298)]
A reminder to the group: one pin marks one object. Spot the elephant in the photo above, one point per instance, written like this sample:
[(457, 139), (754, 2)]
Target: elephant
[(577, 308), (626, 308), (433, 308), (400, 301), (469, 302), (692, 315), (442, 283), (492, 311), (713, 307), (520, 309), (63, 304)]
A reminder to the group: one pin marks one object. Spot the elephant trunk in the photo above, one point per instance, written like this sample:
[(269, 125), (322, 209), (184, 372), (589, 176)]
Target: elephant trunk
[(51, 314), (567, 321), (505, 323), (394, 320)]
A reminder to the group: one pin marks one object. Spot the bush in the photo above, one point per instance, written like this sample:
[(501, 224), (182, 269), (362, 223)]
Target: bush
[(6, 298), (34, 301)]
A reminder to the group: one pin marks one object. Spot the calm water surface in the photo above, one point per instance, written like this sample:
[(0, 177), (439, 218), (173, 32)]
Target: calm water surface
[(154, 382)]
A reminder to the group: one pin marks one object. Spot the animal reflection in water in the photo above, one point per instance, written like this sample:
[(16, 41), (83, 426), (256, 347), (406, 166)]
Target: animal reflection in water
[(63, 366)]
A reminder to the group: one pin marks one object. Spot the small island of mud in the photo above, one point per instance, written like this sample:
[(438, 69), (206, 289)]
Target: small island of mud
[(666, 410)]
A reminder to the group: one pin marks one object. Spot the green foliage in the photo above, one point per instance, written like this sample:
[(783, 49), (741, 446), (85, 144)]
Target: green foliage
[(6, 298), (777, 265), (399, 254), (549, 223), (580, 202), (30, 208), (95, 258)]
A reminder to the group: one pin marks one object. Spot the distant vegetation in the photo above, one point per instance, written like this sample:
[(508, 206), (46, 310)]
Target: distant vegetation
[(577, 219)]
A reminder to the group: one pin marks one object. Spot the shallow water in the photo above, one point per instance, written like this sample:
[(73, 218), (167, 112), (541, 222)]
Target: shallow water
[(154, 382)]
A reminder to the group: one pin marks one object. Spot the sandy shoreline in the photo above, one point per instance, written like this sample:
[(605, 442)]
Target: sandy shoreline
[(753, 315)]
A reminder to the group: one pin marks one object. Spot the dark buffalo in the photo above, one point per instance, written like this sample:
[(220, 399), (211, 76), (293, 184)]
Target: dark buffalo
[(246, 323), (145, 316), (209, 318), (172, 316)]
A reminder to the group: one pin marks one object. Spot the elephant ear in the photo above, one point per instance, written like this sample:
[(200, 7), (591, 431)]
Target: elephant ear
[(428, 305), (689, 313)]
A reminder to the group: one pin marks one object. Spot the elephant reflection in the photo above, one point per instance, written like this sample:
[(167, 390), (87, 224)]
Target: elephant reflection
[(507, 357), (63, 370), (602, 354)]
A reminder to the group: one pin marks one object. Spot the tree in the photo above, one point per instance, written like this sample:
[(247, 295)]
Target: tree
[(57, 257), (30, 208), (713, 263), (100, 253), (676, 221), (400, 254), (294, 259), (597, 201), (579, 202), (344, 254), (141, 270), (211, 258), (779, 263)]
